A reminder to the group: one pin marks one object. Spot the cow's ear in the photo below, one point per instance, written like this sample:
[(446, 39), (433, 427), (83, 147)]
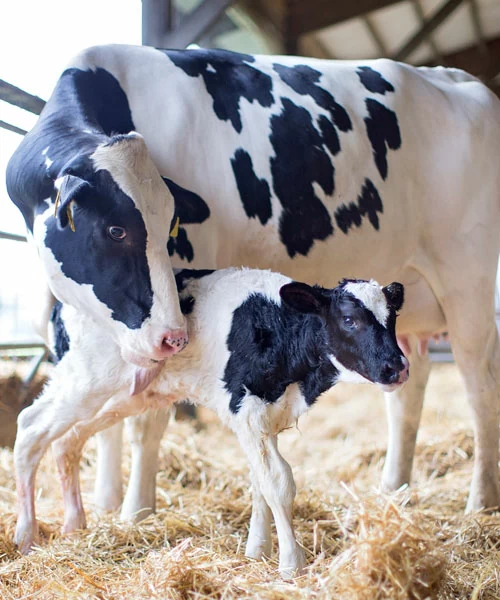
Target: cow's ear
[(302, 297), (189, 207), (395, 294), (71, 191)]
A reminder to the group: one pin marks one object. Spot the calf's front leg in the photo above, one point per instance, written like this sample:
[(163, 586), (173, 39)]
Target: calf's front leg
[(275, 481)]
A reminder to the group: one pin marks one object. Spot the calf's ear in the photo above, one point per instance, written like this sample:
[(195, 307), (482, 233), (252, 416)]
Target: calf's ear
[(395, 294), (302, 297)]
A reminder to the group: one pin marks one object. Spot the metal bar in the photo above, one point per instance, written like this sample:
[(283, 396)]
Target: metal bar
[(21, 345), (195, 24), (430, 25), (13, 128), (18, 97), (34, 366), (12, 236), (421, 17), (377, 38)]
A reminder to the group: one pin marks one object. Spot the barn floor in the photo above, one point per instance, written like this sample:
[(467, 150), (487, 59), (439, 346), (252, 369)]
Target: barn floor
[(360, 544)]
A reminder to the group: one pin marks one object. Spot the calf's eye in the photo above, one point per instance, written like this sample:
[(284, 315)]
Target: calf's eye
[(116, 233), (350, 323)]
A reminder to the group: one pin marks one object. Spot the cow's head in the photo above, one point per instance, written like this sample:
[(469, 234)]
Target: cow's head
[(104, 247), (359, 323)]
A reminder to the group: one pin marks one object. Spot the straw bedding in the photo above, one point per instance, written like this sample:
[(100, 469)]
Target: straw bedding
[(360, 543)]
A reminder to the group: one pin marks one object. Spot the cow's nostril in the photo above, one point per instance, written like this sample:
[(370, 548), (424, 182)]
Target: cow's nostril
[(390, 374)]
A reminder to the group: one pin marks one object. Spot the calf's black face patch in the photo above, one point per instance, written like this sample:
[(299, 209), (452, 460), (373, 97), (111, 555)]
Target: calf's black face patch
[(116, 267), (228, 77)]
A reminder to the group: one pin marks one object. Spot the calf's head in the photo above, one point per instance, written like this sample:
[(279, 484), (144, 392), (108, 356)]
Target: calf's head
[(359, 327), (104, 247)]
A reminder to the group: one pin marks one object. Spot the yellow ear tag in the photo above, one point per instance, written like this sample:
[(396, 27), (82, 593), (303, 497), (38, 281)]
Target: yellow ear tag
[(58, 199), (175, 229), (69, 213)]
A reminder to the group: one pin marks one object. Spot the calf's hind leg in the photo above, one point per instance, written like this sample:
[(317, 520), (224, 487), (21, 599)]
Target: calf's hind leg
[(62, 404), (68, 450)]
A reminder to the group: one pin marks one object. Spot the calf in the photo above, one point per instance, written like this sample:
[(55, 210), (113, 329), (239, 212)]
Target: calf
[(263, 349)]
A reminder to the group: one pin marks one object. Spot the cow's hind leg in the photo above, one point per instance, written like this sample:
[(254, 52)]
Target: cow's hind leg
[(108, 491), (470, 316), (404, 408), (145, 432)]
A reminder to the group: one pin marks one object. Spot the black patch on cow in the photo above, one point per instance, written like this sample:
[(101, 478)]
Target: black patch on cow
[(181, 246), (61, 337), (373, 81), (254, 192), (304, 80), (228, 78), (329, 135), (300, 160), (190, 208), (118, 271), (368, 204), (383, 131), (273, 346)]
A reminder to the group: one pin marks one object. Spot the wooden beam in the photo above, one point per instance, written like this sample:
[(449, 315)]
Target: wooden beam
[(430, 25), (18, 97), (472, 60), (421, 17), (195, 24), (157, 20), (376, 37), (296, 17)]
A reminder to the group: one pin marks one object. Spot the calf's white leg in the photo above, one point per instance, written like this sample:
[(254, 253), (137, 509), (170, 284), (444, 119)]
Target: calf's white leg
[(62, 404), (108, 493), (68, 451), (274, 477), (404, 409), (145, 432), (259, 534)]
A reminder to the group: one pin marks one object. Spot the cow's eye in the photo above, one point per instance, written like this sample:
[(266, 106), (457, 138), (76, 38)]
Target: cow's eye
[(117, 233), (350, 323)]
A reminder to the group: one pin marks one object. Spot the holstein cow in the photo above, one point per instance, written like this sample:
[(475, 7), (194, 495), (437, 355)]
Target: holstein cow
[(313, 168), (262, 349)]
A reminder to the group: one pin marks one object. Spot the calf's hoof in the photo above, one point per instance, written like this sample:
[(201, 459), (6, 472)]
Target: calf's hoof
[(258, 548), (135, 515)]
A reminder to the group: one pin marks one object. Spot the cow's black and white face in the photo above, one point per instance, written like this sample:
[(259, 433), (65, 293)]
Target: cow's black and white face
[(360, 323), (104, 248)]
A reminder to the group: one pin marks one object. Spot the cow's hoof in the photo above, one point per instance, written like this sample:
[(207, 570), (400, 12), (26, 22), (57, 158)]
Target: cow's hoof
[(74, 522), (293, 566), (484, 499), (25, 537)]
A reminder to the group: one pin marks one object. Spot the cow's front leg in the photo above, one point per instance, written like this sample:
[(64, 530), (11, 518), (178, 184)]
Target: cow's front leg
[(108, 490), (275, 480), (259, 542), (145, 432), (404, 409), (49, 417), (68, 451)]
